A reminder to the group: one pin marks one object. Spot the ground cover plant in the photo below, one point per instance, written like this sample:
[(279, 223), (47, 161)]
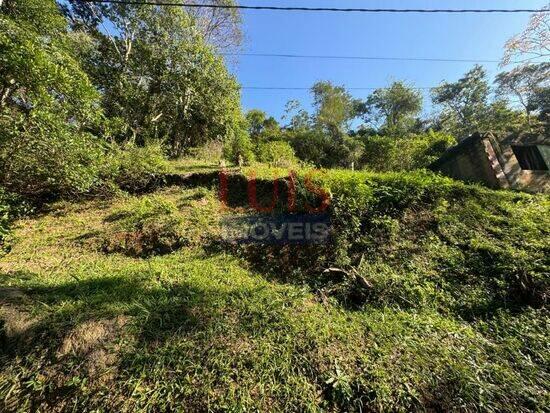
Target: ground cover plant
[(124, 153), (417, 311)]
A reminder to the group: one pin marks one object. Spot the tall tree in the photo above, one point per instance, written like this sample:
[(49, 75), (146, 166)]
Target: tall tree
[(464, 102), (261, 127), (525, 83), (335, 108), (533, 42), (155, 70), (397, 106), (297, 116), (256, 120), (219, 27), (47, 104)]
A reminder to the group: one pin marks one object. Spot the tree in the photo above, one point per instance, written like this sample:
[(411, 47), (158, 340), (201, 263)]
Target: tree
[(464, 102), (524, 83), (384, 153), (277, 153), (533, 42), (335, 108), (259, 124), (47, 104), (298, 117), (397, 105), (155, 70), (219, 27), (256, 120), (239, 147), (541, 103)]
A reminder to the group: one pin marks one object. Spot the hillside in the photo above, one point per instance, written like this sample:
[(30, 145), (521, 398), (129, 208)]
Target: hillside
[(430, 295)]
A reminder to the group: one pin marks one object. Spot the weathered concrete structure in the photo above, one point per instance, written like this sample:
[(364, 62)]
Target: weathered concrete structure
[(515, 161)]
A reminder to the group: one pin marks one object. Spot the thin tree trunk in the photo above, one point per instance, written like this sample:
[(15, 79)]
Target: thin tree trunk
[(5, 92)]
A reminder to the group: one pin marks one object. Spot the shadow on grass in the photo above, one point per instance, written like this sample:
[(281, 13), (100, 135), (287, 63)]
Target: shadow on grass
[(158, 312)]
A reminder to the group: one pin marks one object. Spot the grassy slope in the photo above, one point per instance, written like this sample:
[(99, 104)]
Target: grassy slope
[(206, 328)]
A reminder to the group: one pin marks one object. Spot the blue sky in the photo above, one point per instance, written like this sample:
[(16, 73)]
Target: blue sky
[(462, 36)]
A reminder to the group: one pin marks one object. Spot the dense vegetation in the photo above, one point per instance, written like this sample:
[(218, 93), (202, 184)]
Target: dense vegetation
[(118, 291), (430, 295)]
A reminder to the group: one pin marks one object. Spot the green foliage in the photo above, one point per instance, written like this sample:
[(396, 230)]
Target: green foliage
[(335, 108), (47, 104), (261, 128), (145, 226), (397, 106), (385, 153), (464, 102), (319, 149), (525, 83), (135, 168), (310, 146), (239, 148), (277, 153), (467, 109), (451, 311), (48, 159), (255, 119), (168, 84), (421, 240), (4, 219)]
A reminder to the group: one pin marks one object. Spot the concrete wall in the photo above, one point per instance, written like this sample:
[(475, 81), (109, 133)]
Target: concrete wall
[(529, 181), (470, 163), (491, 161)]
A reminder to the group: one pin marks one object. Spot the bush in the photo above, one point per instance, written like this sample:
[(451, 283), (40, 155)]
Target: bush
[(319, 149), (48, 106), (136, 169), (44, 158), (421, 240), (277, 153), (11, 207), (239, 147), (386, 153), (451, 279), (311, 146), (143, 227), (211, 151)]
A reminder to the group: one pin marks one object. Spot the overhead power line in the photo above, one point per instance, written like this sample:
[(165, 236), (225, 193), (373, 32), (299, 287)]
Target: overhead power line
[(419, 59), (315, 9), (309, 88)]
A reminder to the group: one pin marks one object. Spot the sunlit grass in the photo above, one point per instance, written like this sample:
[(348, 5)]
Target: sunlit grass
[(203, 328)]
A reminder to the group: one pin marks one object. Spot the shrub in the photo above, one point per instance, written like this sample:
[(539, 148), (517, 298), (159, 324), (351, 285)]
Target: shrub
[(387, 153), (11, 207), (277, 153), (311, 146), (135, 168), (317, 148), (239, 147), (44, 158), (211, 151), (143, 227), (444, 244)]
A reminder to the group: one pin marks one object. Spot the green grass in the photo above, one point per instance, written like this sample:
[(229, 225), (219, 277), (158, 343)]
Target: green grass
[(205, 328)]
